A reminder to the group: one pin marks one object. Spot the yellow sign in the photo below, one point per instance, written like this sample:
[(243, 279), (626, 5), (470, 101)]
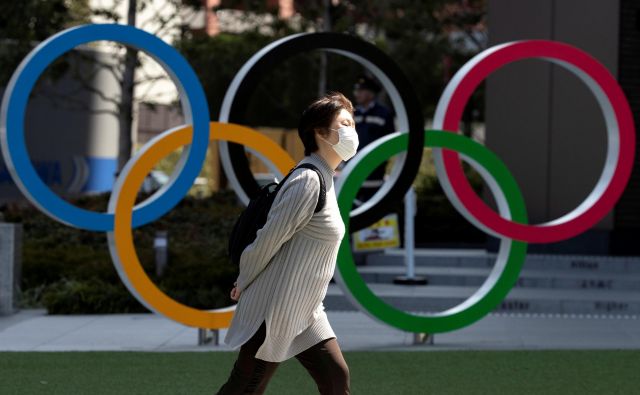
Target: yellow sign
[(382, 234)]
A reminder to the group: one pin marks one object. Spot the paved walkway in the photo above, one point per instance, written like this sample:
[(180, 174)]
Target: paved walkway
[(34, 330)]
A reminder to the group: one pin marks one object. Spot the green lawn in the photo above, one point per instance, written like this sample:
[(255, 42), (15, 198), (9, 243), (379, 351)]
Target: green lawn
[(463, 372)]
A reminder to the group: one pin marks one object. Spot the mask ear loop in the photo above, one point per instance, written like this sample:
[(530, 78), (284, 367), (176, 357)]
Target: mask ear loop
[(327, 141)]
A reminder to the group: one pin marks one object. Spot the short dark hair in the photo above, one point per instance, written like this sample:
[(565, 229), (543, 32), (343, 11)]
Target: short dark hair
[(319, 114)]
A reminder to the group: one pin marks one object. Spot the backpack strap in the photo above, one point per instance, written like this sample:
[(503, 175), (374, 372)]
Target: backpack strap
[(322, 197)]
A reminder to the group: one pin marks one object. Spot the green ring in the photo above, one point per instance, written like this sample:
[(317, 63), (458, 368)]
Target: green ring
[(488, 296)]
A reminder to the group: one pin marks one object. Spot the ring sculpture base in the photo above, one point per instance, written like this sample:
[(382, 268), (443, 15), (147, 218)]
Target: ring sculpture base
[(423, 338), (206, 336)]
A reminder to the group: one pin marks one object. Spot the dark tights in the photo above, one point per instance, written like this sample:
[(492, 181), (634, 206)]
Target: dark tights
[(324, 361)]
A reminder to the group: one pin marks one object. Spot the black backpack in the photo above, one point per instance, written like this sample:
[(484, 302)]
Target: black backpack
[(255, 215)]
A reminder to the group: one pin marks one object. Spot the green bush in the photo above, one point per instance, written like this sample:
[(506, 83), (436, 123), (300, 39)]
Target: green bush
[(69, 270), (92, 296)]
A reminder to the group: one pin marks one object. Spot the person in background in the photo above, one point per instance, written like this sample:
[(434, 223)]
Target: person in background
[(373, 120)]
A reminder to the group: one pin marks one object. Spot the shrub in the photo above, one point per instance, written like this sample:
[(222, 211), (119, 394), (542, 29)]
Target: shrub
[(92, 296), (69, 270)]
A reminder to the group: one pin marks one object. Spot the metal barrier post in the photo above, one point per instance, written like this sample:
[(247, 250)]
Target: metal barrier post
[(409, 257), (204, 338), (161, 247), (409, 251)]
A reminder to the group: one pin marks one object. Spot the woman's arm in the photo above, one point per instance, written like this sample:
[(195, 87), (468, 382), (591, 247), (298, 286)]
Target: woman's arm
[(291, 210)]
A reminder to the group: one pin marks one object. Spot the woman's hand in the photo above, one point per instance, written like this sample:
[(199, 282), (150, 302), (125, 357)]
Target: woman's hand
[(235, 294)]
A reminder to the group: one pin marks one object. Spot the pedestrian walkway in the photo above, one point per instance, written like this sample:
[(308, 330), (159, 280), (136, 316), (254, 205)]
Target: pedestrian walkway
[(34, 330)]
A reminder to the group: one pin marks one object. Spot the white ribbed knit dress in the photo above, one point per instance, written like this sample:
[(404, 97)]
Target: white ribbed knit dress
[(285, 272)]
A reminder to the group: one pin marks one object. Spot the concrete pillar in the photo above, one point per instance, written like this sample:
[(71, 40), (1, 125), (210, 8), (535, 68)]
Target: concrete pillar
[(10, 266)]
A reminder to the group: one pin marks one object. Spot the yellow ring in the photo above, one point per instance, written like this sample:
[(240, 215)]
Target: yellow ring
[(136, 279)]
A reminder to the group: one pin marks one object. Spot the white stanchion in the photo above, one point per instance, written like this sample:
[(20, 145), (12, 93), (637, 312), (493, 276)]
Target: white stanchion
[(409, 242)]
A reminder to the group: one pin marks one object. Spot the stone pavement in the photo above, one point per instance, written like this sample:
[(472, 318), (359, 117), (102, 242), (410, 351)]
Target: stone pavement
[(34, 330)]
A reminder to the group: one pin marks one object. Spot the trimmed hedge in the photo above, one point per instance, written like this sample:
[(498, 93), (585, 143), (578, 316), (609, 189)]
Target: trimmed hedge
[(69, 270)]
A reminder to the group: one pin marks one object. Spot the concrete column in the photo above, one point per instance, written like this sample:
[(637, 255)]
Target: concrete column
[(10, 266)]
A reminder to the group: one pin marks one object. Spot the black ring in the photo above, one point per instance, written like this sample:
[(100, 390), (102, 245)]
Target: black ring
[(278, 51)]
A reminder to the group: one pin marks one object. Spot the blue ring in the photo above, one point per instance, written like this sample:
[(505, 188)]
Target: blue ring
[(194, 103)]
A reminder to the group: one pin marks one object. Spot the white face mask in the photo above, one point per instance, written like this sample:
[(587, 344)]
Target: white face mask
[(347, 142)]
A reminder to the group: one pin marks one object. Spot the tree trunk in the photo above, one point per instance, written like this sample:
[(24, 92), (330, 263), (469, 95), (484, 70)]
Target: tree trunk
[(125, 146), (322, 82)]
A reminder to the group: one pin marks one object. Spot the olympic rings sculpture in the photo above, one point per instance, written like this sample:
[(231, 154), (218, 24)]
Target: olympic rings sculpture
[(509, 224)]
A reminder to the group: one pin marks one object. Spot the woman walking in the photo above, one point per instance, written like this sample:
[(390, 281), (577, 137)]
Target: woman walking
[(285, 272)]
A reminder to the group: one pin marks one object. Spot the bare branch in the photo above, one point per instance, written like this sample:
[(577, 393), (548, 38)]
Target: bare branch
[(113, 69), (156, 14), (151, 79)]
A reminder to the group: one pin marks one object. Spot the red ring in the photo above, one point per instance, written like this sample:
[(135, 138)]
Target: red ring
[(626, 132)]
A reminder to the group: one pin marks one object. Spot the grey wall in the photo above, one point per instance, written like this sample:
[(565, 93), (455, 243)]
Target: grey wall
[(541, 120)]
